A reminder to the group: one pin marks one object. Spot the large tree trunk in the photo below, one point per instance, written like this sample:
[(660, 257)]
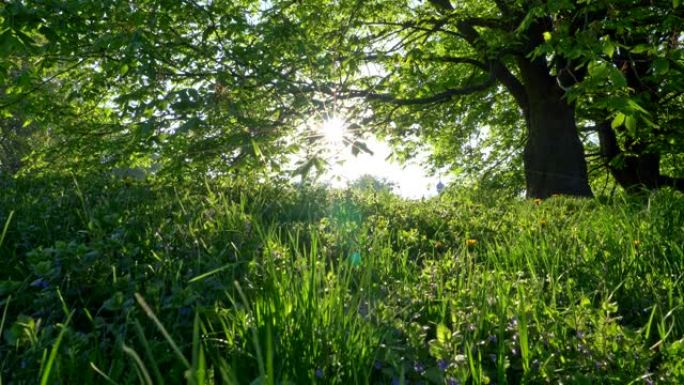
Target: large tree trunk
[(636, 171), (554, 155)]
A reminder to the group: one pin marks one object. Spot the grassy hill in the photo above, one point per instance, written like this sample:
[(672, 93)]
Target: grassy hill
[(236, 282)]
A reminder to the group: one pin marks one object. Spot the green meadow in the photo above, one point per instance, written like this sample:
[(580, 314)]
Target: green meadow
[(116, 281)]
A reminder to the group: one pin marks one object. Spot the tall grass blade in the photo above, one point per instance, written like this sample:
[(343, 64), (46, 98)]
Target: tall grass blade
[(45, 375), (148, 311)]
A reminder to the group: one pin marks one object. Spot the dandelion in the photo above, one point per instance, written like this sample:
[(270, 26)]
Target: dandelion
[(471, 242)]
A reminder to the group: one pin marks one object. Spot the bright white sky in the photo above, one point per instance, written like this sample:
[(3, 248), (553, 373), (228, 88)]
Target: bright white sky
[(411, 180)]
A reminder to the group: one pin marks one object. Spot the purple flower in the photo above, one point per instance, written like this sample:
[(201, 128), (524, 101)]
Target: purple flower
[(319, 373), (396, 381), (442, 365), (40, 283), (493, 339), (377, 365), (418, 367), (453, 381)]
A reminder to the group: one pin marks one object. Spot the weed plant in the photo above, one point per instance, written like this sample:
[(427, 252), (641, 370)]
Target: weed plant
[(235, 282)]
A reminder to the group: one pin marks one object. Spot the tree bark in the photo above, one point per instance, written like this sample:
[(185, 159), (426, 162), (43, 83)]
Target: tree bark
[(554, 155), (636, 171)]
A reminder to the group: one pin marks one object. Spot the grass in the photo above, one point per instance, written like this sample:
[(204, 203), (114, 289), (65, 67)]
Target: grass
[(233, 282)]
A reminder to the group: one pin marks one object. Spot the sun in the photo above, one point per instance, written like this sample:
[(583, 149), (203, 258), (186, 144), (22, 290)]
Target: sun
[(333, 129)]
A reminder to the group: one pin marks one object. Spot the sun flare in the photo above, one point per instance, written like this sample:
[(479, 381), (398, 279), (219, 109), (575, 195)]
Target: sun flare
[(333, 130)]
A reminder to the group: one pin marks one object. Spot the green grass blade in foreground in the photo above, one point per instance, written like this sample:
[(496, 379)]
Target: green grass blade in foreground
[(45, 375), (103, 374), (143, 374), (4, 229), (162, 329)]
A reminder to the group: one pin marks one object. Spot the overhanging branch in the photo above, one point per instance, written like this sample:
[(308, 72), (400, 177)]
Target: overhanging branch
[(436, 98)]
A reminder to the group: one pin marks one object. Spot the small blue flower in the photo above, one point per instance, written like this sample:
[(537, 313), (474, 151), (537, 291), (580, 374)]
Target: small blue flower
[(493, 357), (418, 367), (319, 373), (396, 381), (493, 339), (377, 365), (453, 381), (40, 283), (442, 365)]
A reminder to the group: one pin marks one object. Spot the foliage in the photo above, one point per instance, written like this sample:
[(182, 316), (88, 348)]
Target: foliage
[(241, 282)]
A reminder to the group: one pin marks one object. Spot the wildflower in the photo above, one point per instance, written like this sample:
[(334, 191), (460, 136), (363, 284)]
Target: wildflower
[(512, 324), (493, 357), (453, 381), (319, 373), (396, 381), (442, 365), (471, 242), (535, 364), (647, 378), (637, 243), (40, 283), (514, 351), (537, 201), (493, 339), (419, 368), (377, 365)]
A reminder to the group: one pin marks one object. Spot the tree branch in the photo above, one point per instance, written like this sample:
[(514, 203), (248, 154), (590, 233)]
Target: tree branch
[(436, 98)]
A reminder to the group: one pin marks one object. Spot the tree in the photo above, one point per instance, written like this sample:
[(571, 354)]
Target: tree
[(628, 78), (477, 58), (195, 86)]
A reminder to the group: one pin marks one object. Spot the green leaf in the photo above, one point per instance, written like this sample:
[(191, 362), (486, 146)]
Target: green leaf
[(661, 66), (618, 120), (608, 48), (630, 122), (547, 36), (443, 333)]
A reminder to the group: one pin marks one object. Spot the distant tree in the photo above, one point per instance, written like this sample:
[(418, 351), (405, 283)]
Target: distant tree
[(369, 182)]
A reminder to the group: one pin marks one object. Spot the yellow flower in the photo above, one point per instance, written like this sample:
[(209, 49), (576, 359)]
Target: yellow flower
[(637, 243), (471, 242)]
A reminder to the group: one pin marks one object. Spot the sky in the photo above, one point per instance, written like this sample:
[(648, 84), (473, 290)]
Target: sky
[(411, 180)]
